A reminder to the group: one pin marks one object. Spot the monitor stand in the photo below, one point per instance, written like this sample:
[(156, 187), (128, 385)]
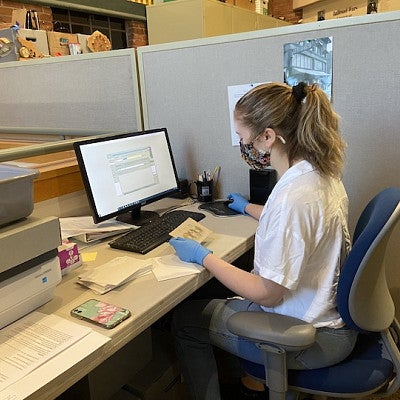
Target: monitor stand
[(138, 217)]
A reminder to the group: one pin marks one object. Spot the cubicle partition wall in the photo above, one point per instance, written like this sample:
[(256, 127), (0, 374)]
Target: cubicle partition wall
[(83, 94), (184, 87)]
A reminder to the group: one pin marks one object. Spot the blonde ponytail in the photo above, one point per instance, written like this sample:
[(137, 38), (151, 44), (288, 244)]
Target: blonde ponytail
[(318, 133)]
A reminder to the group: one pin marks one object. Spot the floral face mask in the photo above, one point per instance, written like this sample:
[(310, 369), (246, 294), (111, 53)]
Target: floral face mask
[(256, 159)]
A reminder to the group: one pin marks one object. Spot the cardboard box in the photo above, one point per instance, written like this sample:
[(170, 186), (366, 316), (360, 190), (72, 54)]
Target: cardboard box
[(82, 40), (37, 37), (19, 16), (59, 42)]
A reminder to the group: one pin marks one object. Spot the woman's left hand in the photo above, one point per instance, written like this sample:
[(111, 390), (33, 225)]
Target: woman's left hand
[(189, 250)]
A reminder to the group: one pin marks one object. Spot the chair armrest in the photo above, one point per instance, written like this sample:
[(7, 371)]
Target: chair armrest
[(286, 332)]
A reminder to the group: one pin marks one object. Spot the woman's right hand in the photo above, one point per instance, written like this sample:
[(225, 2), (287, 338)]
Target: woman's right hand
[(238, 203)]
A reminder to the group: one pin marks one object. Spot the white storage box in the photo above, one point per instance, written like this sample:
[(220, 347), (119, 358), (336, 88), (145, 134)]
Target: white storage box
[(16, 192)]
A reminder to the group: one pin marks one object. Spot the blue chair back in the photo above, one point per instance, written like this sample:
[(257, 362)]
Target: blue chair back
[(363, 297)]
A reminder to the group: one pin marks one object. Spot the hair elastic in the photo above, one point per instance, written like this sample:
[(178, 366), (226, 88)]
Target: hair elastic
[(299, 91)]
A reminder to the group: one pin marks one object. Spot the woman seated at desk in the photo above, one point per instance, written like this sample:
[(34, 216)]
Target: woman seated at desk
[(301, 240)]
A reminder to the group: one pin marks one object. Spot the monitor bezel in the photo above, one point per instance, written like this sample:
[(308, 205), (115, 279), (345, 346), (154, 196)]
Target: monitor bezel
[(134, 208)]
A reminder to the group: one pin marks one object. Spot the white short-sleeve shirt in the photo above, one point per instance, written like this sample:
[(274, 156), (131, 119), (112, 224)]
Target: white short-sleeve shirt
[(301, 242)]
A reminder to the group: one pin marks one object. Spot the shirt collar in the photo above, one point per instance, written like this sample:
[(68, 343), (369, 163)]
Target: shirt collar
[(301, 168)]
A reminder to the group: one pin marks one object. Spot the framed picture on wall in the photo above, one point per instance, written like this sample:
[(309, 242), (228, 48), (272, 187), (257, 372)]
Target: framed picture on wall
[(309, 61)]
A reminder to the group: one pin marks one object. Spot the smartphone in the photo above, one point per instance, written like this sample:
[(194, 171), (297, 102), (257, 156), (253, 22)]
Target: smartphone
[(100, 313)]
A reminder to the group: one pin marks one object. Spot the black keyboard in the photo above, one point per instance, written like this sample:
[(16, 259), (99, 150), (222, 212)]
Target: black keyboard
[(148, 237)]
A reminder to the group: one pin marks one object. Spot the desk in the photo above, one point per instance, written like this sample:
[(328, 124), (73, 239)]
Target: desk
[(147, 298)]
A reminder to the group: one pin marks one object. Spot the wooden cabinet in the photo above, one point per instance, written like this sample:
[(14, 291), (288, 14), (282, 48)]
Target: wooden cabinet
[(191, 19)]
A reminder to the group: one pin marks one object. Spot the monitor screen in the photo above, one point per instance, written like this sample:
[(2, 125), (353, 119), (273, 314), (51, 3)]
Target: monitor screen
[(121, 173)]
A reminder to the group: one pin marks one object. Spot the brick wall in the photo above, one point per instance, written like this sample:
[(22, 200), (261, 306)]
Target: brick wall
[(136, 32), (7, 7), (284, 9)]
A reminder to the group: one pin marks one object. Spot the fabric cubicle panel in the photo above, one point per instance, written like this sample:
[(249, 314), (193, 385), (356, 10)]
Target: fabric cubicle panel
[(93, 93), (184, 87)]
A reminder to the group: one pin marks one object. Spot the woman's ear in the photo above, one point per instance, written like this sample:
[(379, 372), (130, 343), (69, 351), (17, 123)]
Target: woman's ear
[(270, 136)]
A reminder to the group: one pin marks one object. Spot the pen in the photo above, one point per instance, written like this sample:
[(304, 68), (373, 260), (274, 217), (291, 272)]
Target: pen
[(216, 170)]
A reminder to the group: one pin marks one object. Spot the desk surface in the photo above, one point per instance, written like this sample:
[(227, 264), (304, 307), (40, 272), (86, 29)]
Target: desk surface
[(147, 298)]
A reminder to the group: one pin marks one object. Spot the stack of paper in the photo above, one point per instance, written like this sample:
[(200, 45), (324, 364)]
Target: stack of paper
[(85, 230), (114, 273)]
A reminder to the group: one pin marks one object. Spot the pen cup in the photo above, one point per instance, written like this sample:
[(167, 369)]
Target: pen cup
[(204, 190)]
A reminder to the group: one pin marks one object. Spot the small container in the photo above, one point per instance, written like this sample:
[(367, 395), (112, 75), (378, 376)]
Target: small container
[(204, 190), (74, 49), (16, 192)]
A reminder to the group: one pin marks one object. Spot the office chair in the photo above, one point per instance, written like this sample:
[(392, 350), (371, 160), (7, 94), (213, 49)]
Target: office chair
[(365, 304)]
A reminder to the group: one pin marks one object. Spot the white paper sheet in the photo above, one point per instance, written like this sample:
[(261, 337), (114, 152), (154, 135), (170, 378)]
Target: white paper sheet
[(235, 92), (170, 266), (54, 367), (33, 340)]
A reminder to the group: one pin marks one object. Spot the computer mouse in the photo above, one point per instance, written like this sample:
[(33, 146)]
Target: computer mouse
[(219, 208)]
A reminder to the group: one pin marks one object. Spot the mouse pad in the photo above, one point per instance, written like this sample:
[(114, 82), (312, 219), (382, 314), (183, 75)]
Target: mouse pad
[(218, 208)]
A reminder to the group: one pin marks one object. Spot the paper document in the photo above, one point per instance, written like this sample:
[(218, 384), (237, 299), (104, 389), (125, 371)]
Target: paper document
[(32, 341), (170, 266), (191, 229), (84, 229), (114, 273), (54, 367)]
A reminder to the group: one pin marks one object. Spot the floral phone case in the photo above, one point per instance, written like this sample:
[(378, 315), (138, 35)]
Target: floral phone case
[(100, 313)]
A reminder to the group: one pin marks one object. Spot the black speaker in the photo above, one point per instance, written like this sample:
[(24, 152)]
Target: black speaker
[(183, 190), (261, 185)]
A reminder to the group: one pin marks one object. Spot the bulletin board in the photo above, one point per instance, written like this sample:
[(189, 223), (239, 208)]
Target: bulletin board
[(184, 88), (89, 93)]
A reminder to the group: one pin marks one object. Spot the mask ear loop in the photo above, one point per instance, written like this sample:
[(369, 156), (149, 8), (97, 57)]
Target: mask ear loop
[(283, 141)]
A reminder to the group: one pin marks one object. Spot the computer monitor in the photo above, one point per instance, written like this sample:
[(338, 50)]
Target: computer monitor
[(123, 172)]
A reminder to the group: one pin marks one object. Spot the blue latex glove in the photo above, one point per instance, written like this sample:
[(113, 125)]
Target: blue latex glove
[(239, 203), (189, 250)]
